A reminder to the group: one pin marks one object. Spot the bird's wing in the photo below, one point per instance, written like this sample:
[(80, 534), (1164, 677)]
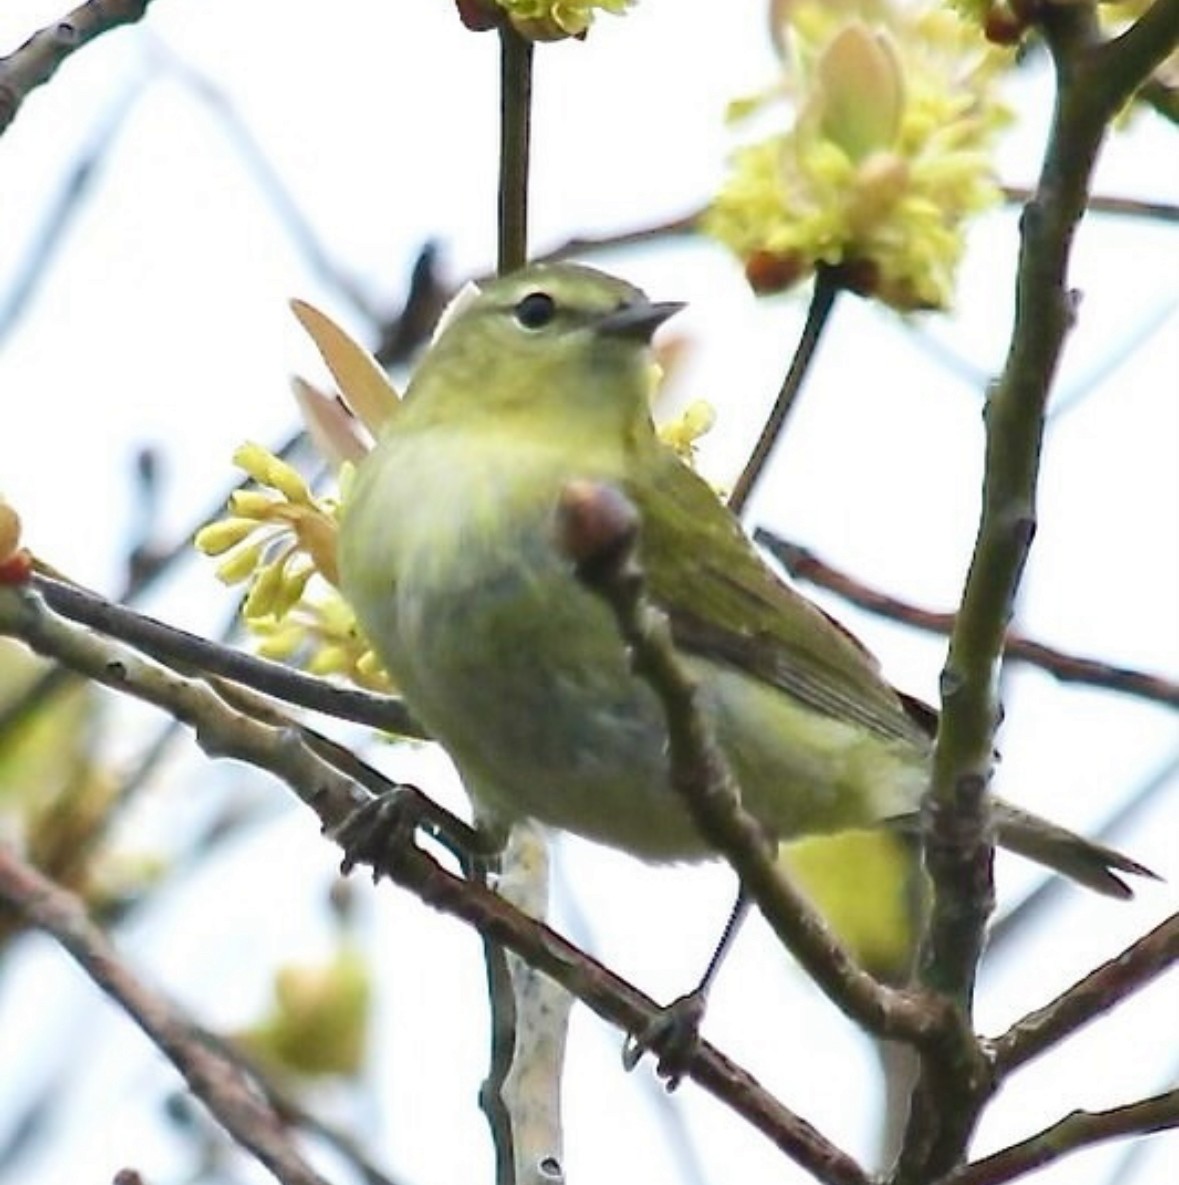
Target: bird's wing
[(725, 604)]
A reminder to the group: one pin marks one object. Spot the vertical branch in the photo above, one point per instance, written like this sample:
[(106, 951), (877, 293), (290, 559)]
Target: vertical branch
[(955, 1082), (822, 301), (515, 106)]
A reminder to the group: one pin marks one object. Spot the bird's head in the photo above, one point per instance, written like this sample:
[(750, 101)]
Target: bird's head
[(553, 341)]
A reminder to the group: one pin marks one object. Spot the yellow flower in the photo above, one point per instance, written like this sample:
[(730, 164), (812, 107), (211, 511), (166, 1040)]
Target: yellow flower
[(538, 20), (894, 117), (552, 20), (281, 540), (682, 433)]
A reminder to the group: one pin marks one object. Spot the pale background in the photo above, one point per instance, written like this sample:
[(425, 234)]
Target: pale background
[(163, 321)]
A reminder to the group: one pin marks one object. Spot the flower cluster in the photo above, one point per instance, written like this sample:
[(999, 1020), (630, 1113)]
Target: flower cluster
[(280, 539), (888, 153), (539, 20)]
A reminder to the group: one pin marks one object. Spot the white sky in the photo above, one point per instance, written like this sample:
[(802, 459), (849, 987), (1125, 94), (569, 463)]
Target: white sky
[(164, 321)]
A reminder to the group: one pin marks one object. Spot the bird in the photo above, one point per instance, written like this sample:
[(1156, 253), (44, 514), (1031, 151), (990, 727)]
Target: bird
[(449, 554)]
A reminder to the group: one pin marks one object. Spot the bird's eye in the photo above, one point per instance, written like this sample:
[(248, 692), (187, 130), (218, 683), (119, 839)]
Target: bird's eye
[(536, 310)]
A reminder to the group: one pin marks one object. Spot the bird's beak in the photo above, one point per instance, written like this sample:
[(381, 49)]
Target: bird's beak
[(638, 321)]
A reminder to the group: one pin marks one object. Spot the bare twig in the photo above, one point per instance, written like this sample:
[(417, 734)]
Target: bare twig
[(804, 564), (685, 224), (36, 61), (1081, 1129), (1087, 999), (59, 212), (1107, 203), (268, 180), (221, 1085), (826, 289), (515, 135), (192, 652)]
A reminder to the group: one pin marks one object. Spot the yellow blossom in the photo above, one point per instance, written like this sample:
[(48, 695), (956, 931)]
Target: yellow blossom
[(887, 155), (552, 20), (280, 539), (682, 433)]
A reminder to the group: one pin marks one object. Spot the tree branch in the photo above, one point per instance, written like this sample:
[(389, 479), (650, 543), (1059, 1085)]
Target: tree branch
[(217, 1081), (189, 651), (514, 147), (826, 289), (804, 564), (1100, 990), (1081, 1129), (958, 833), (36, 61)]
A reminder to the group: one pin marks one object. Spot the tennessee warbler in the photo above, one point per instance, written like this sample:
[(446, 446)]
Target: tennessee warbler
[(448, 554)]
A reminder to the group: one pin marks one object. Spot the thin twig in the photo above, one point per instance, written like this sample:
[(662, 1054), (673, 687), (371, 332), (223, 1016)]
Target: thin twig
[(265, 175), (826, 288), (1107, 203), (685, 224), (192, 652), (59, 212), (1100, 990), (804, 564), (515, 135), (1124, 1171), (220, 1084), (36, 61), (1081, 1129)]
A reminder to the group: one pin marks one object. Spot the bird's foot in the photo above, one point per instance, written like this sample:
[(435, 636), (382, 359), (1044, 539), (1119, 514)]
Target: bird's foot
[(673, 1038), (382, 831)]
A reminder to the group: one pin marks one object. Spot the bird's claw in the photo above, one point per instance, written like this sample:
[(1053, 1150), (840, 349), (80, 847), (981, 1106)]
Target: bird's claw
[(673, 1037), (377, 831)]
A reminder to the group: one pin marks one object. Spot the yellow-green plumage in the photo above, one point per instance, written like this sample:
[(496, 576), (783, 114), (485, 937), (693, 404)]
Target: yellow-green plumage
[(449, 556)]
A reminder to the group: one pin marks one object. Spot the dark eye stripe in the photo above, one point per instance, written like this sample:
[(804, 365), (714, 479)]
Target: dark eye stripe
[(535, 310)]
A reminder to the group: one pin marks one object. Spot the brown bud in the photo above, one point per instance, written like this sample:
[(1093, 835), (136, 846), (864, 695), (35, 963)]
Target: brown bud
[(597, 525)]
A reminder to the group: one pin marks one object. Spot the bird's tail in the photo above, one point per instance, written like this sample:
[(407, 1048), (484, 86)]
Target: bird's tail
[(1090, 864)]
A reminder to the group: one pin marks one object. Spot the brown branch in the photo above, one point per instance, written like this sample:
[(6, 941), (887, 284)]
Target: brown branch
[(1081, 1129), (1106, 203), (307, 768), (599, 530), (36, 61), (1091, 85), (619, 1002), (225, 1090), (514, 148), (684, 224), (1100, 990), (191, 652), (826, 289), (804, 564)]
